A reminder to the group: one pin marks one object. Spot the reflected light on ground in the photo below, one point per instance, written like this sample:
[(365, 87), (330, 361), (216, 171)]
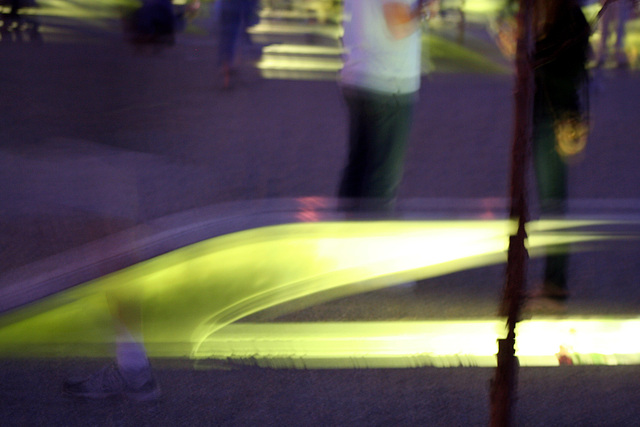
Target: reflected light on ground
[(488, 7), (427, 343), (96, 9), (300, 61), (293, 49), (192, 295), (281, 63)]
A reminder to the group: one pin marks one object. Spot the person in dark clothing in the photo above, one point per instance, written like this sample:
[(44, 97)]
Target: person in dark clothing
[(560, 58), (153, 23), (234, 17), (380, 80)]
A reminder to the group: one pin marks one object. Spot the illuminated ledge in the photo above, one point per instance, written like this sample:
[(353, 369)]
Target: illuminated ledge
[(280, 63), (423, 343), (329, 31), (393, 344), (293, 74), (286, 14), (293, 49), (199, 279)]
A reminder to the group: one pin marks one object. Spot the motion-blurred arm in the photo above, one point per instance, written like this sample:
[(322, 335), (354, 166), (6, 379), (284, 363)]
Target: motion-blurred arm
[(403, 20)]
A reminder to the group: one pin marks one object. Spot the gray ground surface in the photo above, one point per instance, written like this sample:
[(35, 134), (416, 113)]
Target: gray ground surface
[(576, 396), (94, 138)]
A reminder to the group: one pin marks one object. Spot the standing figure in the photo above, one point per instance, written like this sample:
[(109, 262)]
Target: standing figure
[(110, 194), (130, 375), (153, 23), (380, 81), (234, 16), (560, 59)]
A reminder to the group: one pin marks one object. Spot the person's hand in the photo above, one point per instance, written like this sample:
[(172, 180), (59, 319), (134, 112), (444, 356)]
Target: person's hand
[(506, 37), (572, 133), (428, 8), (402, 19), (192, 8)]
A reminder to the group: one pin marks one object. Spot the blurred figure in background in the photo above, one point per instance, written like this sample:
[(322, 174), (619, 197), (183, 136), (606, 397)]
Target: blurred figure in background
[(380, 80), (560, 60), (155, 23), (234, 17), (615, 12), (131, 375), (78, 177), (17, 26), (152, 23), (560, 119)]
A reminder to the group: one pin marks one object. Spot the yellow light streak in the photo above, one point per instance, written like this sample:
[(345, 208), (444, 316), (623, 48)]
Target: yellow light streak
[(423, 343), (384, 344), (286, 63), (192, 295), (484, 7), (329, 31), (293, 49)]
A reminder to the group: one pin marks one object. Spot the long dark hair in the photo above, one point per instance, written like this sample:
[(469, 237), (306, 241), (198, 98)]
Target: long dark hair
[(547, 13)]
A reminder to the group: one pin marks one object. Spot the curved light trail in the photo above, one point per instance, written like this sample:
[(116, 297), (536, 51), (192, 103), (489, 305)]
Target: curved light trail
[(192, 296)]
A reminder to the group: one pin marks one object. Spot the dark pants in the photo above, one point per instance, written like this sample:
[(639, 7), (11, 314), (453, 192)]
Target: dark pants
[(551, 177), (155, 21), (234, 18), (379, 128)]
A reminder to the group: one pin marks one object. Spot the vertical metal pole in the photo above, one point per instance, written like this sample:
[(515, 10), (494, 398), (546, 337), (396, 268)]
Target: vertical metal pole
[(504, 383)]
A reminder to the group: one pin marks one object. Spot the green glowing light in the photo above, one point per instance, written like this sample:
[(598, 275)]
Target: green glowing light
[(485, 7), (438, 343), (302, 49), (95, 10), (300, 61), (451, 56), (191, 296), (329, 31), (285, 63)]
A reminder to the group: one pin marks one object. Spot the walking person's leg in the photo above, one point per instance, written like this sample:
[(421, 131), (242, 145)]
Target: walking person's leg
[(393, 117), (551, 177), (229, 25), (379, 132), (131, 374), (351, 183)]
